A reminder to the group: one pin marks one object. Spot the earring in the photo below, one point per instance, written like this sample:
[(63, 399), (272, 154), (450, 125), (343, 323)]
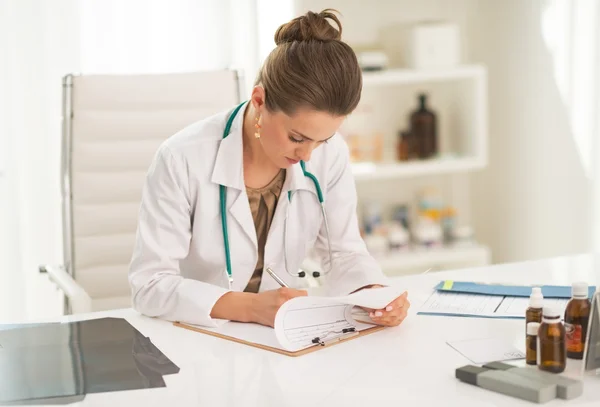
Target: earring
[(257, 126)]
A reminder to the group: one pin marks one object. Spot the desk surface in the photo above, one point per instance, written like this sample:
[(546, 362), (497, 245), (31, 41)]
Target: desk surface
[(404, 366)]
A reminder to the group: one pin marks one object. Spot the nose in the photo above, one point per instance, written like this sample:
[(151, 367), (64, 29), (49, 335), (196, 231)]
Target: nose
[(305, 152)]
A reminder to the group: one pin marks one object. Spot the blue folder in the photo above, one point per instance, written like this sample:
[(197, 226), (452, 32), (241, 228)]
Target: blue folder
[(548, 291)]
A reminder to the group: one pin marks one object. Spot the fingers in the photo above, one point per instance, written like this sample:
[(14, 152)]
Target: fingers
[(392, 318), (394, 313), (289, 293)]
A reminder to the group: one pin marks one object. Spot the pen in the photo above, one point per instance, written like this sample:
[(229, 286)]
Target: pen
[(276, 277)]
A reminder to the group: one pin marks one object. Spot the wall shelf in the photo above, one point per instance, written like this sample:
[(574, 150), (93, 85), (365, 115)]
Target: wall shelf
[(411, 76), (419, 260), (368, 171)]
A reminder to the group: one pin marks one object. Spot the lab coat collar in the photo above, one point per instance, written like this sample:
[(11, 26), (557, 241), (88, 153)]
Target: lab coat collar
[(295, 179), (228, 169)]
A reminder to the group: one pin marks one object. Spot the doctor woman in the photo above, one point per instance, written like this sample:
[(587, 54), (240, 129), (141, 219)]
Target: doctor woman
[(232, 203)]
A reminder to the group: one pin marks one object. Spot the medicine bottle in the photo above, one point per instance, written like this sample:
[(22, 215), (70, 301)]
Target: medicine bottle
[(551, 347), (531, 343), (577, 315), (536, 303)]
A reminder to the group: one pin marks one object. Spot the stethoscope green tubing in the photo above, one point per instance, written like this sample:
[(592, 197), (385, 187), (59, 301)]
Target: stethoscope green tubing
[(223, 201)]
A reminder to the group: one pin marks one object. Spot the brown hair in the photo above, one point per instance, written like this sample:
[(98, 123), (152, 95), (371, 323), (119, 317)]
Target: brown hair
[(311, 67)]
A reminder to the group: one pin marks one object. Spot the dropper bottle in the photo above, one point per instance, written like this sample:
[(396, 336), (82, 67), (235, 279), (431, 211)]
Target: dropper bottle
[(536, 305)]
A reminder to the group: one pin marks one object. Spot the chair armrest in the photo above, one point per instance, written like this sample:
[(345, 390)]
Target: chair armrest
[(79, 299)]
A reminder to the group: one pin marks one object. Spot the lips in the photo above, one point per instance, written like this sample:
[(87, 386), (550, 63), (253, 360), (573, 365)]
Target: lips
[(292, 161)]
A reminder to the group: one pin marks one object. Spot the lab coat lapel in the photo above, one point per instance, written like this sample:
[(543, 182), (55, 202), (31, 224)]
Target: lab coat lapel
[(229, 171), (294, 182)]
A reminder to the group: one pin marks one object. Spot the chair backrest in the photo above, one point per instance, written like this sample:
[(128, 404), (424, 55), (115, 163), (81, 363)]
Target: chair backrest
[(112, 127)]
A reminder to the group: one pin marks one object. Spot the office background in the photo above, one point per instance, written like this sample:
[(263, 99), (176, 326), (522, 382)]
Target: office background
[(532, 192)]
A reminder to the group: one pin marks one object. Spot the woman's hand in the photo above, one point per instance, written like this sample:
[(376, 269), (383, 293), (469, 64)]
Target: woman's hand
[(260, 308), (393, 314), (266, 304)]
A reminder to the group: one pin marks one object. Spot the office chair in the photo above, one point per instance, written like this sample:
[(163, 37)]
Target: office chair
[(112, 127)]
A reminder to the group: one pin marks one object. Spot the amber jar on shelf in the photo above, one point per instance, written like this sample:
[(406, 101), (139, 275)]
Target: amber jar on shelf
[(423, 125)]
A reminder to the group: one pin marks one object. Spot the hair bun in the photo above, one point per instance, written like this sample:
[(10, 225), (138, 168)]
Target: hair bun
[(310, 27)]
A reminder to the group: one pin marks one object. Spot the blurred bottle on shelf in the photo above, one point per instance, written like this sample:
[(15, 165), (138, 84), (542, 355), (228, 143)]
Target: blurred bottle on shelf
[(365, 147), (428, 233), (423, 127), (448, 220), (364, 138), (401, 215), (372, 217), (398, 238)]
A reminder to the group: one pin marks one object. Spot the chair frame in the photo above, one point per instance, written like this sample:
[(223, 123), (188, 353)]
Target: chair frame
[(76, 299)]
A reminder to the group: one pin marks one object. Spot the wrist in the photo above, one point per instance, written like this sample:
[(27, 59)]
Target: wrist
[(235, 306)]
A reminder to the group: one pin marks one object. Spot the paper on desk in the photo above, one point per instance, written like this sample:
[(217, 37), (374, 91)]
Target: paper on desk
[(479, 305), (481, 351)]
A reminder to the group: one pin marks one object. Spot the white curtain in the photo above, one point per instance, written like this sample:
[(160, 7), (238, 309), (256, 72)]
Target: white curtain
[(41, 41), (571, 30)]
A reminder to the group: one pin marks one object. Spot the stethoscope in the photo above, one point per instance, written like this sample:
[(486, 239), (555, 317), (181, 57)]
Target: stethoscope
[(223, 200)]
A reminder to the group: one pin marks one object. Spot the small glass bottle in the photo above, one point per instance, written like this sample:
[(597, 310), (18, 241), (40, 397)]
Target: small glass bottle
[(531, 343), (577, 315), (551, 348), (536, 303)]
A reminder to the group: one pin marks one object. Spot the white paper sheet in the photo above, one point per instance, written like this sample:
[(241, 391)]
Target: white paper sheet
[(481, 351), (478, 305), (303, 319)]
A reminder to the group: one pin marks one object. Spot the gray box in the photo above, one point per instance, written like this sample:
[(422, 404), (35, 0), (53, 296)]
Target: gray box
[(566, 388), (502, 381)]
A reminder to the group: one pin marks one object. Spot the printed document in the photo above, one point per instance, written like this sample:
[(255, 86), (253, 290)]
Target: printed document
[(481, 305)]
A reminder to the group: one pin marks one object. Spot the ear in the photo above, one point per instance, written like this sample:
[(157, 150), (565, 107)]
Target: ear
[(258, 98)]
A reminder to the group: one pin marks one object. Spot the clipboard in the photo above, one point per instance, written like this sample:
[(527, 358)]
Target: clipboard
[(468, 287), (301, 352)]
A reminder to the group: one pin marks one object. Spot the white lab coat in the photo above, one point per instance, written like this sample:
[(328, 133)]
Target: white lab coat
[(178, 269)]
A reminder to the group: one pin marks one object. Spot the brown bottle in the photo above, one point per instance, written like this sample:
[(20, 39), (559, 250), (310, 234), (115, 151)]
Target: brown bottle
[(423, 128), (577, 315), (551, 348), (403, 146), (531, 343)]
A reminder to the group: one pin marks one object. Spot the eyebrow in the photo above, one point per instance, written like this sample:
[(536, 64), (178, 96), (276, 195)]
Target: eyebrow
[(308, 138)]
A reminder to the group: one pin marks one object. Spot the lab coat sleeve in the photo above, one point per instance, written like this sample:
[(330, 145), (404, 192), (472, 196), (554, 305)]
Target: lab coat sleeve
[(162, 240), (353, 266)]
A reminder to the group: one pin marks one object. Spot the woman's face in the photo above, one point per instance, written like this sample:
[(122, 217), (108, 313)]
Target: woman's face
[(288, 139)]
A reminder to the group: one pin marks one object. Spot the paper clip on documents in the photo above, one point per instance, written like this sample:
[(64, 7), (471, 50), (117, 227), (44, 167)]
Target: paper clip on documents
[(345, 333)]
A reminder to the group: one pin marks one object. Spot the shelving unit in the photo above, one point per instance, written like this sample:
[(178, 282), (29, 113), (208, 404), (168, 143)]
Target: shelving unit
[(420, 260), (379, 171), (458, 95), (408, 76)]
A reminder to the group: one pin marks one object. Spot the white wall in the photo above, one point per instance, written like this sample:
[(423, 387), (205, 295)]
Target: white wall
[(38, 44), (533, 200)]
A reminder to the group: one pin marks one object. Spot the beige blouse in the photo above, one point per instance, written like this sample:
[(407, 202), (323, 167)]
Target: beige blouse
[(262, 205)]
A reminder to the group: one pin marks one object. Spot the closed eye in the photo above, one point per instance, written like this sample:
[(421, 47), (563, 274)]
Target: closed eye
[(296, 140), (301, 139)]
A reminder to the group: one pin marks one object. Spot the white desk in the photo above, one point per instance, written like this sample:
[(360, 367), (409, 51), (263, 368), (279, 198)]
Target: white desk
[(405, 366)]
